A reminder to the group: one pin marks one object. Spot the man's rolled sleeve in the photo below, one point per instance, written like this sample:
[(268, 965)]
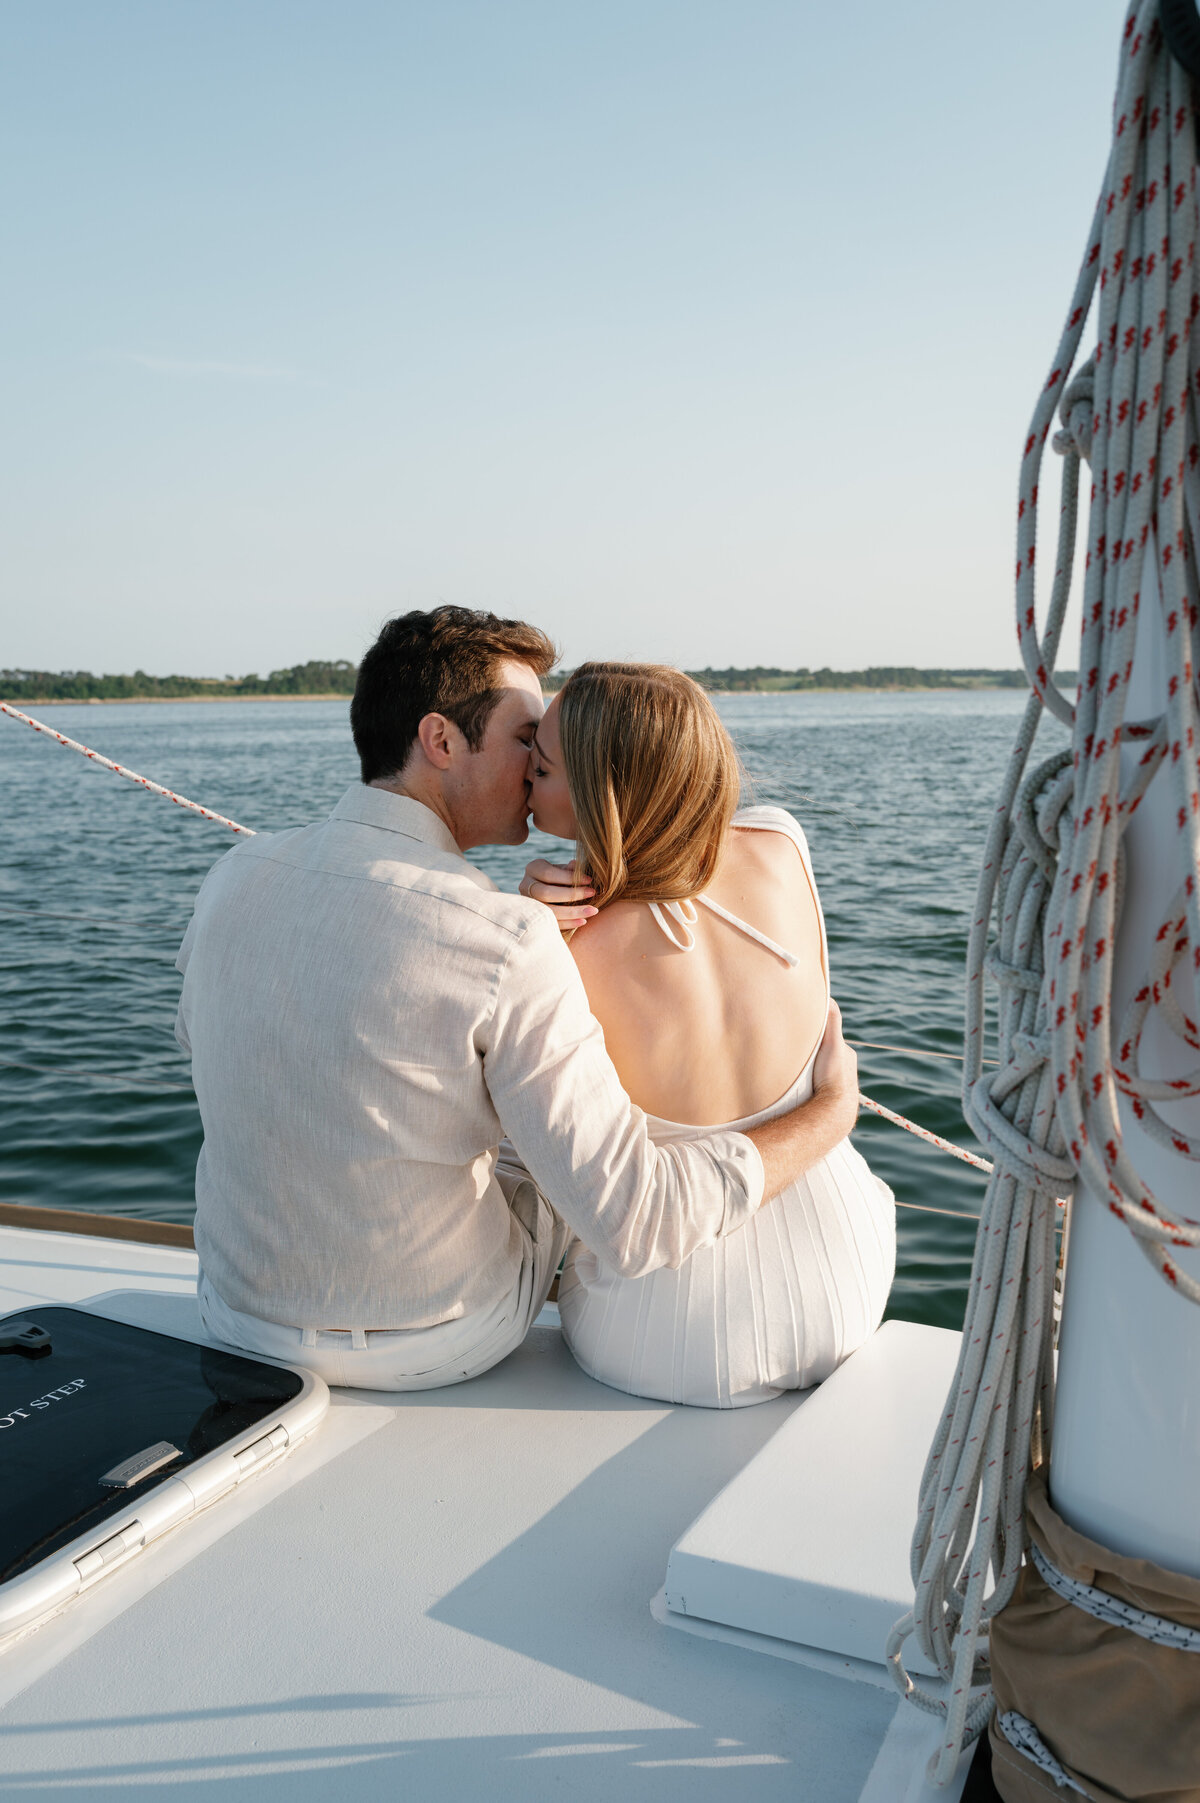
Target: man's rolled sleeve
[(636, 1205)]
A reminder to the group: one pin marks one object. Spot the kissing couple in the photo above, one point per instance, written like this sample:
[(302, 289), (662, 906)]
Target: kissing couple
[(422, 1095)]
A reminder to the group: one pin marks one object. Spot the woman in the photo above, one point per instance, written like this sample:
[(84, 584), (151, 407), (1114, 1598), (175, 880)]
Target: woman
[(699, 937)]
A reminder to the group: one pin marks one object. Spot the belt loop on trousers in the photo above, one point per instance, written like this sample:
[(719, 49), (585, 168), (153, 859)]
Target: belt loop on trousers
[(308, 1336), (358, 1339)]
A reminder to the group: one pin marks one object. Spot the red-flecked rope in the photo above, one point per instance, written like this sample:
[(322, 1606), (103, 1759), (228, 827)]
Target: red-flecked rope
[(1052, 874), (132, 776), (933, 1139)]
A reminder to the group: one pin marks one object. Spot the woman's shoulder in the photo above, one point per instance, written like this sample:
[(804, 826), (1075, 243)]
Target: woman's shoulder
[(766, 815), (762, 820), (618, 929)]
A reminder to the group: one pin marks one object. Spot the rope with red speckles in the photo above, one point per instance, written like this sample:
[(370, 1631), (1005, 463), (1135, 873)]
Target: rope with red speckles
[(1052, 874), (933, 1139), (180, 801)]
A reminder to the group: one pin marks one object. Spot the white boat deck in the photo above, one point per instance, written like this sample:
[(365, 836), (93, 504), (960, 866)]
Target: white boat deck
[(437, 1596)]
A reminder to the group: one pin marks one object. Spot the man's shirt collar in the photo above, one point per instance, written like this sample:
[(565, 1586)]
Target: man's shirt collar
[(396, 814)]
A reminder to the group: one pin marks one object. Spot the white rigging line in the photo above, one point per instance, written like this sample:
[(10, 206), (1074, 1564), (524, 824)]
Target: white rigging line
[(132, 776)]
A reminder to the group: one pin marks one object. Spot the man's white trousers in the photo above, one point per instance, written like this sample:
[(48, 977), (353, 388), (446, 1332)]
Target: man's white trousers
[(419, 1358)]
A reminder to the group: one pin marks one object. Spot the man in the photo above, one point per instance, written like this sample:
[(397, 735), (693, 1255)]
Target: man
[(368, 1016)]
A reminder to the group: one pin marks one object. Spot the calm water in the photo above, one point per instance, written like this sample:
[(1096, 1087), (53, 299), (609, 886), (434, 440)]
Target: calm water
[(894, 791)]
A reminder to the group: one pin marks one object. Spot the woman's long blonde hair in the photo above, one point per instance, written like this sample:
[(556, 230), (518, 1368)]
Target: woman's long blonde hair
[(653, 778)]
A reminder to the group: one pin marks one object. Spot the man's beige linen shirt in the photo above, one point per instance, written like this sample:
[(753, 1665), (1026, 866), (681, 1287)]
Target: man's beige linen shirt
[(367, 1017)]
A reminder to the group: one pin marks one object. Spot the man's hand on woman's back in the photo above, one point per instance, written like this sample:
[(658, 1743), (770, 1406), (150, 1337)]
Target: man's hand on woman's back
[(835, 1073), (790, 1143)]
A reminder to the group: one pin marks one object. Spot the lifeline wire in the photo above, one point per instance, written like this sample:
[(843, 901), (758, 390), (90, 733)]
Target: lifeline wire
[(908, 1051), (93, 1076), (1052, 875), (933, 1139), (63, 1070), (102, 920)]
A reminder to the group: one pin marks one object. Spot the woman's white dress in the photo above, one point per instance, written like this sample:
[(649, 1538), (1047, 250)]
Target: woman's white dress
[(775, 1306)]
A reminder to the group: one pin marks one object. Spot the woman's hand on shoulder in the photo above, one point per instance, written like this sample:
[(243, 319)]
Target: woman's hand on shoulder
[(559, 888)]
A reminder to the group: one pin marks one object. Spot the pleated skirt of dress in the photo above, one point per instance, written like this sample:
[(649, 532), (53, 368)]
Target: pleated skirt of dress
[(775, 1306)]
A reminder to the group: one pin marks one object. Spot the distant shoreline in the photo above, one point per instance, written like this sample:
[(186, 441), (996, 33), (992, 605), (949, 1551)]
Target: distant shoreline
[(158, 700), (325, 680), (894, 688)]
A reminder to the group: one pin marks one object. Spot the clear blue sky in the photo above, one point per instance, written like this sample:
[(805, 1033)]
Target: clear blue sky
[(698, 331)]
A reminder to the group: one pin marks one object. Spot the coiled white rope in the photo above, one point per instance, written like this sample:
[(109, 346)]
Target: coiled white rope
[(1052, 874)]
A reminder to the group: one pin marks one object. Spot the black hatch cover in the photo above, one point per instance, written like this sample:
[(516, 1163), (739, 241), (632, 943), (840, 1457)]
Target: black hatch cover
[(92, 1409)]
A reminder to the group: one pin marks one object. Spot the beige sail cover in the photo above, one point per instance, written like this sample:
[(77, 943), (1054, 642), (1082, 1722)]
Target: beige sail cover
[(1121, 1714)]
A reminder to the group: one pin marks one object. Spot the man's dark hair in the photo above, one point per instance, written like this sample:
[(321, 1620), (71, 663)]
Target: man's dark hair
[(442, 662)]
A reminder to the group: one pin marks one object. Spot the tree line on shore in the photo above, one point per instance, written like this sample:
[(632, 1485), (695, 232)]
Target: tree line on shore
[(337, 678), (876, 676), (80, 685)]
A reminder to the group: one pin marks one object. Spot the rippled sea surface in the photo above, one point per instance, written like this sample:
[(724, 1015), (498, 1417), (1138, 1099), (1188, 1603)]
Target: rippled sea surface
[(895, 792)]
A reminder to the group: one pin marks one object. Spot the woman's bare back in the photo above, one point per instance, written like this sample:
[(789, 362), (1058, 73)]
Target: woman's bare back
[(723, 1031)]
